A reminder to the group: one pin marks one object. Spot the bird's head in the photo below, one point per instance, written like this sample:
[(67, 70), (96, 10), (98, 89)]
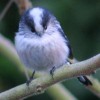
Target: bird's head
[(38, 21)]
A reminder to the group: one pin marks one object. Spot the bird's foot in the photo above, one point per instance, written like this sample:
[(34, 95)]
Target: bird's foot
[(52, 71), (30, 79)]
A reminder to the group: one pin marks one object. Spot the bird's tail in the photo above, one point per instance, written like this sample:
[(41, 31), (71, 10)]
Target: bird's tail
[(84, 80)]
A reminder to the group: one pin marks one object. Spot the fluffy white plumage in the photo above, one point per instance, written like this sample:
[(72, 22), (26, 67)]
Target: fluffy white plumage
[(42, 52)]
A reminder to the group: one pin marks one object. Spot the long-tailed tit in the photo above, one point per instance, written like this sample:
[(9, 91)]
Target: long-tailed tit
[(41, 43)]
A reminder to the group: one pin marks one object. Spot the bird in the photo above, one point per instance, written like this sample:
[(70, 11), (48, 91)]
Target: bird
[(42, 44)]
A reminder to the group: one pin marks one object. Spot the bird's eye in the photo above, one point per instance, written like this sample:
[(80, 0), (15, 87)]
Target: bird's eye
[(30, 23), (45, 27), (44, 24), (32, 28)]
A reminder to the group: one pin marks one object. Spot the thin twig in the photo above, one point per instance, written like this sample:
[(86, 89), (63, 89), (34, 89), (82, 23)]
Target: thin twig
[(95, 88), (5, 9), (54, 90)]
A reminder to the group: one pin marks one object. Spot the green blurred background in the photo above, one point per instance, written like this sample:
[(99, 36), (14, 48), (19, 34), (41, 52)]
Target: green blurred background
[(80, 20)]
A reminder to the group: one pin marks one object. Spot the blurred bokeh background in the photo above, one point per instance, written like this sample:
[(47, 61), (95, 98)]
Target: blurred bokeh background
[(80, 20)]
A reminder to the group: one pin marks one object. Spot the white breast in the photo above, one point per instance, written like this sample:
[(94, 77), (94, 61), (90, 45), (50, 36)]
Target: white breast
[(42, 53)]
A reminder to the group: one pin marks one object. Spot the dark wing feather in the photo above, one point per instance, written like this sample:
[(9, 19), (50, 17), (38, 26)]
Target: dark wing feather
[(67, 43)]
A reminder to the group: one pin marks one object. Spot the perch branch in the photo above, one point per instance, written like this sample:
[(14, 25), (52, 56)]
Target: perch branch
[(38, 85)]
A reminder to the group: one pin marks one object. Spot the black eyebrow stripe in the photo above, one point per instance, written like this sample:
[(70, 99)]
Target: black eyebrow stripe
[(28, 20), (45, 18)]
